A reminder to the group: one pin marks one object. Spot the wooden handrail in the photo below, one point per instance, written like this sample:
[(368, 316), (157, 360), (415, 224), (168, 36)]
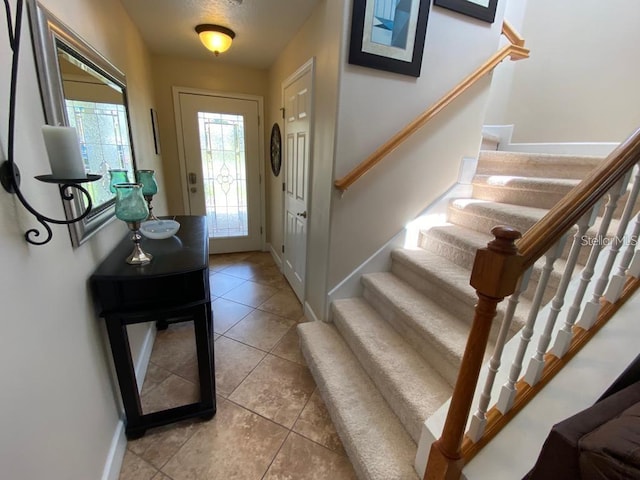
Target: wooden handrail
[(453, 450), (566, 213), (516, 51), (511, 34)]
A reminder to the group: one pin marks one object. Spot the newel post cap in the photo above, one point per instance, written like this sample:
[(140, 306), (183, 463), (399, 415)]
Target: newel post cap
[(498, 266)]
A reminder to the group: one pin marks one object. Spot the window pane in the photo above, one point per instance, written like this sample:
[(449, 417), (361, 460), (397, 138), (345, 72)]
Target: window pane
[(224, 173)]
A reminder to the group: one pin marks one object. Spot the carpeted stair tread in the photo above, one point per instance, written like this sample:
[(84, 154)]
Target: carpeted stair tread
[(432, 330), (450, 277), (447, 283), (457, 244), (412, 388), (466, 243), (483, 215), (378, 446), (536, 164), (527, 191), (538, 184)]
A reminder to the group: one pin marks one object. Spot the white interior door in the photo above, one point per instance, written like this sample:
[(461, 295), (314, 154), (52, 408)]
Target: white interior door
[(297, 147), (221, 142)]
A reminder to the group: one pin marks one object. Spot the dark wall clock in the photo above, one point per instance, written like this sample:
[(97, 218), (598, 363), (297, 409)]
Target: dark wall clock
[(276, 149)]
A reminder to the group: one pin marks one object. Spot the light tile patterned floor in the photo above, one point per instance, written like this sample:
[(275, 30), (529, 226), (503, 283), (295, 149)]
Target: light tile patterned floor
[(271, 423)]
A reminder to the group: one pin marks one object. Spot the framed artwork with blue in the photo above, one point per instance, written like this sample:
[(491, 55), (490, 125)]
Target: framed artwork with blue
[(389, 34), (484, 10)]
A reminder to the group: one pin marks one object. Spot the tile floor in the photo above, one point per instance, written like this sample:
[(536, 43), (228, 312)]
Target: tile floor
[(271, 422)]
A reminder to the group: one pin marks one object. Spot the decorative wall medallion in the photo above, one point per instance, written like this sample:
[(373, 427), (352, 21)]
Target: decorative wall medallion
[(276, 149)]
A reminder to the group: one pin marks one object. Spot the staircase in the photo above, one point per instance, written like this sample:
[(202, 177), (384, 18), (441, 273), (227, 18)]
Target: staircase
[(390, 358)]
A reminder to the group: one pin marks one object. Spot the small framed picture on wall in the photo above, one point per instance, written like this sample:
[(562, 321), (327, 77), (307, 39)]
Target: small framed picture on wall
[(389, 34), (481, 9)]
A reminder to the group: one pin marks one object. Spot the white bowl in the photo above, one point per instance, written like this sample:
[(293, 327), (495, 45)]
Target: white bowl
[(159, 229)]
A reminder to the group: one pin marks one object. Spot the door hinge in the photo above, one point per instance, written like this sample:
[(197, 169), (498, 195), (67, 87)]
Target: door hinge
[(283, 187), (260, 230), (258, 120), (282, 110), (282, 248)]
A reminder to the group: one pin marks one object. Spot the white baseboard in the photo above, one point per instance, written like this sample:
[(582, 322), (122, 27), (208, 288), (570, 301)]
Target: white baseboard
[(276, 257), (113, 465), (309, 313), (380, 261), (505, 133), (118, 447)]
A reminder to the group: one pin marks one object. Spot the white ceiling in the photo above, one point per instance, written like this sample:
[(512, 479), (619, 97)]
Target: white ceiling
[(263, 27)]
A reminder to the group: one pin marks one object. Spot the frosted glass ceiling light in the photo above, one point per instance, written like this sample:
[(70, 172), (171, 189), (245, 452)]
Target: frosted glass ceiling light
[(215, 37)]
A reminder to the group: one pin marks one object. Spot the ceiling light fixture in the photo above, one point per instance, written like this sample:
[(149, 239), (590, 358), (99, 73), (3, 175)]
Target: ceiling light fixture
[(215, 37)]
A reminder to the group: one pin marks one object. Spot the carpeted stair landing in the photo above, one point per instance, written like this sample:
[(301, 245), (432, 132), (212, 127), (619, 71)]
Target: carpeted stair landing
[(390, 358)]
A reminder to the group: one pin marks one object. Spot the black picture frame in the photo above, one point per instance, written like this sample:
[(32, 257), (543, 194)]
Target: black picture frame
[(156, 131), (471, 8), (402, 52)]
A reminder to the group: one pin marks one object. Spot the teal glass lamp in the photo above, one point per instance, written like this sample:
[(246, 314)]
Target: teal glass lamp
[(132, 208), (149, 188), (116, 176)]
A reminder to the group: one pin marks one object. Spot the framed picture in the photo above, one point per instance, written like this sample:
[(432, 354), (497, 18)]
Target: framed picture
[(389, 34), (480, 9), (156, 132)]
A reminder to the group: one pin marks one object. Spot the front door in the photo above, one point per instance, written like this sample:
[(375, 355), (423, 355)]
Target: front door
[(221, 143), (297, 147)]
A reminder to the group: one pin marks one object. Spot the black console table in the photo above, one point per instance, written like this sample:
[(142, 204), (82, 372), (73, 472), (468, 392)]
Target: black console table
[(173, 287)]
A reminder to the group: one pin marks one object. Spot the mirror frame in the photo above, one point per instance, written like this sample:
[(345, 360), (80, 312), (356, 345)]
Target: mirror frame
[(49, 33)]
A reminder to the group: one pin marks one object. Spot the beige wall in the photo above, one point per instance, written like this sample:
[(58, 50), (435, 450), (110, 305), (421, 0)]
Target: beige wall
[(356, 110), (59, 403), (580, 84), (320, 39), (206, 75), (374, 105)]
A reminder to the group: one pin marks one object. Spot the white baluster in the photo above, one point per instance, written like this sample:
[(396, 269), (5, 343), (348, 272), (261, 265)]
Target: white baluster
[(563, 338), (634, 268), (479, 419), (508, 390), (616, 284), (591, 308), (536, 364)]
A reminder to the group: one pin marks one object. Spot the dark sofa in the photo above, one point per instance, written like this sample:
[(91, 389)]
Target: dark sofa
[(599, 443)]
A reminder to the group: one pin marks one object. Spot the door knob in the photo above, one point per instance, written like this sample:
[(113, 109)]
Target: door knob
[(303, 214)]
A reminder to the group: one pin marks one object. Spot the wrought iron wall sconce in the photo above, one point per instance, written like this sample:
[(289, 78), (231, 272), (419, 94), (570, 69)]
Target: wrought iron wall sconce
[(9, 172)]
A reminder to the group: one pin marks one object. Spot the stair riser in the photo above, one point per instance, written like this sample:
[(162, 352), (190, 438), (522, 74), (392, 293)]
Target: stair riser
[(460, 301), (518, 196), (430, 348), (484, 224), (535, 165), (410, 418), (464, 256)]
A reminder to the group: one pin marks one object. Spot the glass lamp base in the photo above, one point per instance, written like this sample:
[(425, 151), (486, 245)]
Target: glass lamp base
[(138, 256)]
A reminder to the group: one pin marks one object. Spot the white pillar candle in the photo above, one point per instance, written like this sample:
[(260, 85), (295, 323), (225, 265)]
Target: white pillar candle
[(63, 149)]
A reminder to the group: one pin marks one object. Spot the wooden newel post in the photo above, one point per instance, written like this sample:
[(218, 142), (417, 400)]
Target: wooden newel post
[(495, 274)]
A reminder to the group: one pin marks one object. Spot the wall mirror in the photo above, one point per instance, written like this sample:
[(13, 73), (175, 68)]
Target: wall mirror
[(81, 88)]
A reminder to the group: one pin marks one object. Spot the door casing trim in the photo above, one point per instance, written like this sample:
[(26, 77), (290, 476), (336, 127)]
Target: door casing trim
[(307, 67)]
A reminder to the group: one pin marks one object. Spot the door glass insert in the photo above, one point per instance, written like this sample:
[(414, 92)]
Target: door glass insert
[(103, 132), (224, 173)]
